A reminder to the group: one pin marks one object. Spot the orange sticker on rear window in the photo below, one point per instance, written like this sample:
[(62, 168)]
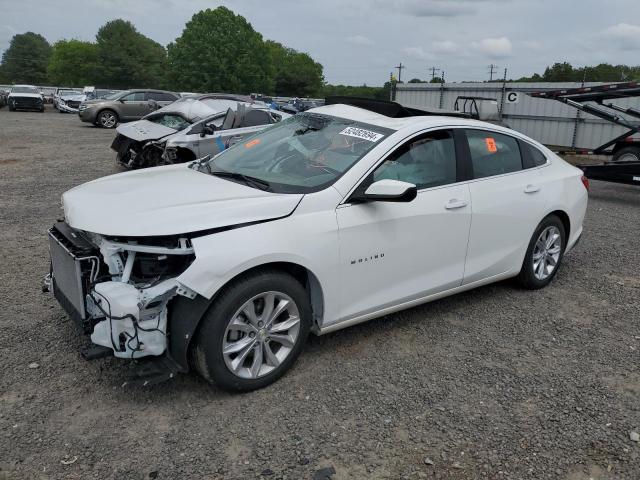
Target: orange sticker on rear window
[(252, 143), (491, 145)]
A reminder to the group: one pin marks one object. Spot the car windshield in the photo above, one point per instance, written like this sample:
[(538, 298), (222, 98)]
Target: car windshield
[(171, 120), (24, 90), (305, 153), (70, 92)]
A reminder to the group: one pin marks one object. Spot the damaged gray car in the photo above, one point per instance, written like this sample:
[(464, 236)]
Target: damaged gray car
[(190, 128)]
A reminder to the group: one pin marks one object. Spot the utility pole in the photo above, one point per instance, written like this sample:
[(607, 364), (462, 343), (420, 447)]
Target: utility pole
[(399, 67), (492, 69), (433, 71)]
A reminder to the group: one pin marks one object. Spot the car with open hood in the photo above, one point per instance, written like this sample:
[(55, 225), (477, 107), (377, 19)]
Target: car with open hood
[(335, 216), (124, 106), (25, 97), (190, 128)]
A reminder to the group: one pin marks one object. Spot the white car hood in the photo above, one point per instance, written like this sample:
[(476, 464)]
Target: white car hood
[(25, 95), (144, 130), (169, 201)]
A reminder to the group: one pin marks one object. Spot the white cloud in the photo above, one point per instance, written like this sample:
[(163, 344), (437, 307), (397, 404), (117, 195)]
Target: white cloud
[(417, 52), (360, 40), (494, 47), (445, 47), (624, 35)]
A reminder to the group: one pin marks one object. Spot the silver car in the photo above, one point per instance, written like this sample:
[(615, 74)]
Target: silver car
[(190, 128), (124, 106)]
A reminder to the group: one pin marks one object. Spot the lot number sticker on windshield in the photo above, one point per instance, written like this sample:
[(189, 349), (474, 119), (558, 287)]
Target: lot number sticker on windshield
[(362, 133), (491, 145)]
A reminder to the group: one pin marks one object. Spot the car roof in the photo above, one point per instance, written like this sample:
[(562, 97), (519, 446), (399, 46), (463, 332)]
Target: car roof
[(29, 86), (367, 116)]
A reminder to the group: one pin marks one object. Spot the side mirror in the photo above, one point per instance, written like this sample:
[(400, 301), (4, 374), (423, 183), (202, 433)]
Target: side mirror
[(153, 105), (207, 130), (388, 191)]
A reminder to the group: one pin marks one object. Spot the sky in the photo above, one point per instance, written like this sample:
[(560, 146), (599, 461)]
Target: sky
[(361, 41)]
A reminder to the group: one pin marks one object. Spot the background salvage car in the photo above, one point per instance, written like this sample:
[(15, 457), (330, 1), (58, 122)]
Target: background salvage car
[(124, 106), (226, 264), (190, 128), (68, 100), (25, 97)]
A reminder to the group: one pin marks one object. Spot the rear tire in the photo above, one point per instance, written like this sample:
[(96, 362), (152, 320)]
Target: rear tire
[(544, 254), (243, 352), (627, 154)]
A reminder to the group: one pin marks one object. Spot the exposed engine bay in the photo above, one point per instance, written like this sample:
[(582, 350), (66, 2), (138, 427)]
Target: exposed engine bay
[(118, 289)]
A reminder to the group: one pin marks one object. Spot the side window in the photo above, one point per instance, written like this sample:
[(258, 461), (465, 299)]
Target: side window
[(217, 121), (161, 96), (134, 97), (426, 161), (531, 156), (493, 153)]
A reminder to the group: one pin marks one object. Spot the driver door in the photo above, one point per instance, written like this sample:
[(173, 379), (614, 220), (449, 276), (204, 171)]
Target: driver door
[(134, 106), (395, 252)]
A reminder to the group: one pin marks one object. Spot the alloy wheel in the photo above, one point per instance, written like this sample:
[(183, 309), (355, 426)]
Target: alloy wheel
[(546, 253), (107, 119), (261, 335)]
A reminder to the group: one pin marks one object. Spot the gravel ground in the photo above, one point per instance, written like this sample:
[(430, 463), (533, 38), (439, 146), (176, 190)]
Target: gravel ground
[(494, 383)]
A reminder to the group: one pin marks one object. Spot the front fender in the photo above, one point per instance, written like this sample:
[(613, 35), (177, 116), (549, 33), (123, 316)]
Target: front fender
[(306, 239)]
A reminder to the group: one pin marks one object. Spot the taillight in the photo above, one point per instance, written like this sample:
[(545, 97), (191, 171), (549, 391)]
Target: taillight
[(585, 182)]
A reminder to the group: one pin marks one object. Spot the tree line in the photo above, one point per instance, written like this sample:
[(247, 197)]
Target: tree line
[(218, 51)]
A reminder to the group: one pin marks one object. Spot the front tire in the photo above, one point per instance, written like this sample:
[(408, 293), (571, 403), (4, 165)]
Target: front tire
[(253, 332), (544, 254), (107, 119)]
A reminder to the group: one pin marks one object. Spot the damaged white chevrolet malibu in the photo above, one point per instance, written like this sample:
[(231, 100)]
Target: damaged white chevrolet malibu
[(338, 215)]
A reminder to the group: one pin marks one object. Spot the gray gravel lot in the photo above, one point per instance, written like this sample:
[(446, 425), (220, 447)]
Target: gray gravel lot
[(495, 383)]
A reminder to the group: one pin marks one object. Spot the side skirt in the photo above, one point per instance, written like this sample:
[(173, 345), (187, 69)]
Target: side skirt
[(411, 303)]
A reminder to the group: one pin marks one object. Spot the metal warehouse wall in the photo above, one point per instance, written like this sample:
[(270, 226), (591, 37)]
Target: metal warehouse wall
[(548, 121)]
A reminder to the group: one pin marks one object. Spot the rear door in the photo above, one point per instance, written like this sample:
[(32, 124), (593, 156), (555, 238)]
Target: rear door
[(162, 98), (508, 201)]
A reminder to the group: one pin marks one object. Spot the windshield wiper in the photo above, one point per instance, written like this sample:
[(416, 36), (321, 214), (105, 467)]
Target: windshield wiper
[(246, 179)]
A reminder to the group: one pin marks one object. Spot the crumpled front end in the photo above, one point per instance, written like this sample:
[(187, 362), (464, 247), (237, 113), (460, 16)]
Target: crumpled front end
[(118, 290)]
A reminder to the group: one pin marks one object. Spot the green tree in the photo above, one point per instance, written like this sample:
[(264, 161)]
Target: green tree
[(220, 51), (73, 63), (560, 72), (26, 59), (128, 59), (436, 80), (295, 74)]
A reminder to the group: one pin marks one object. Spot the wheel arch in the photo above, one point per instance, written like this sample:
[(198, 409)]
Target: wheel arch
[(564, 218), (185, 314)]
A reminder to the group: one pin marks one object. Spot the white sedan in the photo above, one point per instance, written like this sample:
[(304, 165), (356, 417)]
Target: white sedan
[(333, 217)]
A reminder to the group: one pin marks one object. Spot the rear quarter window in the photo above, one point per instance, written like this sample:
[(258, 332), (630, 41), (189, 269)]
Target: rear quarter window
[(531, 156)]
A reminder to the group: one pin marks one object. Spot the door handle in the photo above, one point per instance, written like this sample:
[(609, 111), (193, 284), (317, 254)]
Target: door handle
[(455, 203), (531, 188)]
